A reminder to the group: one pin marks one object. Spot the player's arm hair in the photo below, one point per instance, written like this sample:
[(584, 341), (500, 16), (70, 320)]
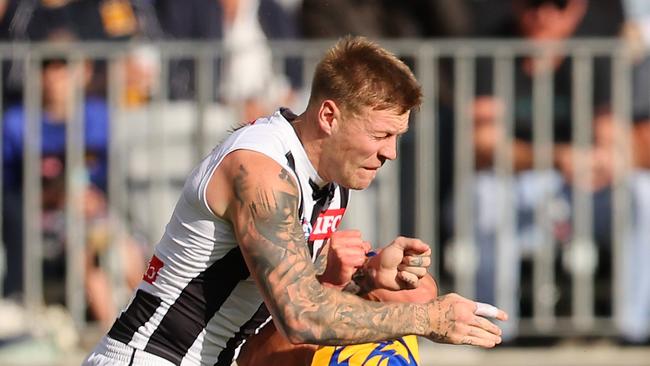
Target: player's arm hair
[(264, 212)]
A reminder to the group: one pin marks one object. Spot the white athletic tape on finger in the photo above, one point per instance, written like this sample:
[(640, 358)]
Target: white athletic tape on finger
[(486, 310)]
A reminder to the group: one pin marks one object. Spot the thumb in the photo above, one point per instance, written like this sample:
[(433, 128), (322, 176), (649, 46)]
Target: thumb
[(413, 246)]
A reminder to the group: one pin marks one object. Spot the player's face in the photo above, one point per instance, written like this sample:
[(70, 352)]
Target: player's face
[(363, 143)]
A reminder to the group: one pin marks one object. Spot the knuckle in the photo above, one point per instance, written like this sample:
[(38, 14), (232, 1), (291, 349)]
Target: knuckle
[(455, 339), (465, 317)]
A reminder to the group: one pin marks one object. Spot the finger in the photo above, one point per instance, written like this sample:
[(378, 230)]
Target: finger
[(419, 272), (479, 342), (347, 233), (486, 325), (353, 261), (366, 246), (409, 279), (483, 334), (417, 261), (349, 243), (412, 246), (351, 253), (425, 253), (490, 311)]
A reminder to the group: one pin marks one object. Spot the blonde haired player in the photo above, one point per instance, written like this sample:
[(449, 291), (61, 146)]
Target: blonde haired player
[(254, 214)]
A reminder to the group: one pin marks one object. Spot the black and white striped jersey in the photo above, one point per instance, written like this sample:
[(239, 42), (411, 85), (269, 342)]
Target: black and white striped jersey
[(197, 301)]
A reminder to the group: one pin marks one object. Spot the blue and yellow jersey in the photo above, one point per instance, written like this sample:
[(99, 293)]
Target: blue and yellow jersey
[(399, 352)]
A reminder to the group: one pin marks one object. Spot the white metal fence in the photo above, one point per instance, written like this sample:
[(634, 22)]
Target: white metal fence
[(153, 146)]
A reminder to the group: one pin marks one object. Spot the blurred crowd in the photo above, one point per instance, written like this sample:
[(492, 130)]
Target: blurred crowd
[(248, 80)]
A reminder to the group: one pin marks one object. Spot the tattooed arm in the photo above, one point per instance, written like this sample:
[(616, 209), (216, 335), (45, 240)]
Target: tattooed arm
[(261, 200)]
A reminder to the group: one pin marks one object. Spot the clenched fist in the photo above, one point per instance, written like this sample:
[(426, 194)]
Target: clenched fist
[(346, 252)]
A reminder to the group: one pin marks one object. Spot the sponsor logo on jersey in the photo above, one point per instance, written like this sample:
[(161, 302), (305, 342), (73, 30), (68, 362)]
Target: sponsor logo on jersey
[(151, 274), (326, 223)]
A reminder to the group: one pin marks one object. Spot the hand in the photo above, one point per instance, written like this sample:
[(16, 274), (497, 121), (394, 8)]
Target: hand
[(400, 265), (455, 320), (345, 254)]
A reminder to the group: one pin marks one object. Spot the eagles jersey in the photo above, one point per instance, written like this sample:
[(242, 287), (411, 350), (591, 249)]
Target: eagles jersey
[(399, 352), (197, 301)]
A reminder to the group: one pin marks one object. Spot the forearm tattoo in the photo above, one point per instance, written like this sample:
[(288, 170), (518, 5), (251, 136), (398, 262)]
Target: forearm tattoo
[(270, 232)]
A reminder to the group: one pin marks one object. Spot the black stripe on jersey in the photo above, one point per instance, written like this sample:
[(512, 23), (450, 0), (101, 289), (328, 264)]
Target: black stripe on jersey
[(140, 310), (322, 199), (292, 164), (195, 306), (345, 196), (227, 354)]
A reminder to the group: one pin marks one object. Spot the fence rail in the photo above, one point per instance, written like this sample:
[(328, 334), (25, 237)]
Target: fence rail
[(152, 146)]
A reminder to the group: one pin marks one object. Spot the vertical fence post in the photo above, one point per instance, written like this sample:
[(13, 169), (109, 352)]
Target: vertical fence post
[(76, 180), (507, 248), (426, 140), (32, 221), (623, 272), (117, 182), (544, 287), (582, 253), (465, 255)]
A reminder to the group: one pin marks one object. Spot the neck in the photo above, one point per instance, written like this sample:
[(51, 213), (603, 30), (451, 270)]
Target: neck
[(306, 127)]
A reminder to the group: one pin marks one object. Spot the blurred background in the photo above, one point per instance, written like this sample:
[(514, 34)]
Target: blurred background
[(527, 168)]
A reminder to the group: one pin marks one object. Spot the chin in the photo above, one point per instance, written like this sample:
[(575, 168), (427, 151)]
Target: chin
[(357, 181), (360, 184)]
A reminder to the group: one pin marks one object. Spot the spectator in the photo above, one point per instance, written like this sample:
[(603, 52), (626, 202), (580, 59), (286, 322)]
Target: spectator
[(633, 321), (57, 85), (246, 49), (535, 20), (33, 20), (244, 26), (331, 19), (388, 19)]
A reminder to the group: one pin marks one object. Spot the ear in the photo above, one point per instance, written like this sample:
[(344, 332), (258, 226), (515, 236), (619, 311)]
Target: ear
[(328, 116)]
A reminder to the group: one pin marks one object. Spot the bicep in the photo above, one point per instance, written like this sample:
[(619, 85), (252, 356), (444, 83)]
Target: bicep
[(264, 212)]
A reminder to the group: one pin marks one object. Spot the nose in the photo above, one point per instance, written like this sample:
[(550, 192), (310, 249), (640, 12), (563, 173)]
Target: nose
[(389, 149)]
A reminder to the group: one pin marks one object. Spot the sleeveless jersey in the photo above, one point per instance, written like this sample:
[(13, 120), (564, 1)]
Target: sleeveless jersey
[(197, 301)]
